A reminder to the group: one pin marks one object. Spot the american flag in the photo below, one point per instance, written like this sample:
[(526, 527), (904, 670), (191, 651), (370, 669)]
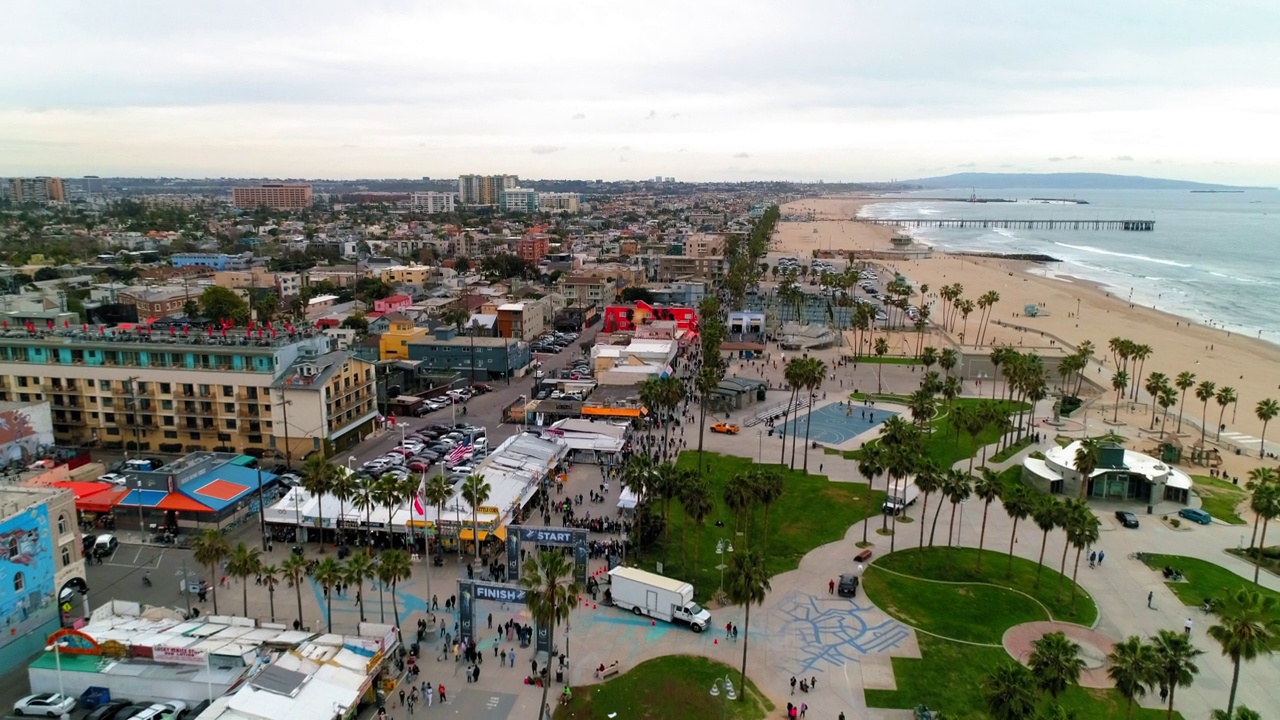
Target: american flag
[(462, 451)]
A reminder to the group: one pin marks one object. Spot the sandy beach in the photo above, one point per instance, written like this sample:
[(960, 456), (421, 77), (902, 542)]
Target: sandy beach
[(1246, 364)]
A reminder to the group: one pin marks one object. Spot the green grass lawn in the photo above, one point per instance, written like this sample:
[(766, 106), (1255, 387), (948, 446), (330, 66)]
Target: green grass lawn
[(943, 444), (974, 613), (1220, 498), (1053, 591), (675, 686), (1201, 579), (812, 511), (1013, 449)]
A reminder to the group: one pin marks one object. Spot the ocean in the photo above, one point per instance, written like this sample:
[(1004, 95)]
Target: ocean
[(1213, 258)]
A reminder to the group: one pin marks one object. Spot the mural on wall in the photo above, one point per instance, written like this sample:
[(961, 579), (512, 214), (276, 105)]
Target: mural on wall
[(23, 430), (620, 318), (27, 598)]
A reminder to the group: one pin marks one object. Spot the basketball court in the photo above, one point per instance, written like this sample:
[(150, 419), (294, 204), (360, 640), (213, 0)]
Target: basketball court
[(836, 423)]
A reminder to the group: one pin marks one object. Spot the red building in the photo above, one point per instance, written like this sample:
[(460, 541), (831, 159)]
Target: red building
[(533, 247), (620, 318)]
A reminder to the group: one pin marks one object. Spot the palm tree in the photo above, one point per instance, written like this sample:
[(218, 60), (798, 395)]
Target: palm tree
[(358, 568), (1140, 353), (394, 567), (1018, 504), (363, 500), (739, 495), (1087, 458), (294, 569), (1184, 382), (436, 493), (1175, 662), (793, 373), (1248, 626), (476, 492), (958, 486), (1082, 532), (947, 360), (638, 475), (1258, 477), (815, 372), (870, 464), (345, 486), (1266, 504), (998, 356), (929, 481), (695, 498), (1242, 713), (551, 594), (1224, 397), (210, 549), (1266, 410), (1204, 393), (1055, 662), (881, 349), (988, 487), (965, 307), (1156, 382), (768, 488), (243, 562), (328, 573), (667, 482), (1131, 665), (317, 479), (1045, 511), (270, 578), (1010, 692), (1119, 382), (748, 583)]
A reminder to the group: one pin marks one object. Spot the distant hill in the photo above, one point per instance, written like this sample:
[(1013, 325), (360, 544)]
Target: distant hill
[(1062, 181)]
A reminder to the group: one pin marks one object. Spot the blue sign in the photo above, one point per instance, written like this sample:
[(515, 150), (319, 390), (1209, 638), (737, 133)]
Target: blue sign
[(544, 536), (499, 593)]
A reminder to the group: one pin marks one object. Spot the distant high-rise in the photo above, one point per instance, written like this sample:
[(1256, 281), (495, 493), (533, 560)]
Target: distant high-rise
[(484, 189), (276, 197), (518, 199), (558, 202), (37, 190), (432, 202)]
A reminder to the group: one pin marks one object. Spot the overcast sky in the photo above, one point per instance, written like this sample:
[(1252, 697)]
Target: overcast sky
[(699, 90)]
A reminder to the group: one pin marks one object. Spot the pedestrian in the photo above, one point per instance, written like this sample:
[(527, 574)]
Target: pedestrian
[(1164, 692), (804, 707), (1093, 559), (1150, 597), (813, 682), (430, 693), (793, 684), (819, 467), (728, 630), (443, 699), (490, 621), (1187, 627), (402, 696), (831, 587), (512, 655), (533, 665), (735, 633), (503, 655), (1101, 554)]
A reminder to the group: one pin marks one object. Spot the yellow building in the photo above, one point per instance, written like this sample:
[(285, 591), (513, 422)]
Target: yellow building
[(408, 275), (394, 343), (326, 403)]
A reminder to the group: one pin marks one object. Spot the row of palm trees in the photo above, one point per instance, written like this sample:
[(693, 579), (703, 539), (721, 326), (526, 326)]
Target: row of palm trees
[(1264, 486), (957, 307), (803, 374)]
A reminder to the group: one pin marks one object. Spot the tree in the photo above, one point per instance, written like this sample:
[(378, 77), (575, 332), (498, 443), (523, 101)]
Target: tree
[(947, 360), (1248, 626), (394, 567), (793, 373), (1018, 505), (1241, 713), (1265, 502), (294, 569), (1224, 397), (958, 486), (210, 549), (1257, 478), (551, 594), (929, 481), (357, 322), (358, 568), (1055, 662), (344, 487), (870, 464), (1204, 393), (328, 573), (988, 487), (639, 476), (270, 579), (695, 498), (768, 487), (739, 496), (632, 294), (1087, 458), (815, 372), (243, 562), (1266, 410), (1082, 532), (476, 491), (1045, 512), (1156, 382), (219, 303), (1010, 692), (317, 479), (748, 583), (1185, 381), (1119, 382), (1131, 665), (1175, 662), (190, 308), (881, 348)]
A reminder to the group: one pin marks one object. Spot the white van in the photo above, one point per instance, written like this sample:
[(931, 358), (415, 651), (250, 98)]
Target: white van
[(105, 545)]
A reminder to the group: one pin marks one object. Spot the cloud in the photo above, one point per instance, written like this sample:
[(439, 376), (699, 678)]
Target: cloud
[(1157, 161), (1007, 165), (652, 114), (1123, 158), (1075, 157), (742, 155), (967, 165), (579, 116), (1055, 158), (545, 149)]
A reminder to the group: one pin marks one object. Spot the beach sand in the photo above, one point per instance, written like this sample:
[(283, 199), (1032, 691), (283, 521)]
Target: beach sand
[(1247, 364)]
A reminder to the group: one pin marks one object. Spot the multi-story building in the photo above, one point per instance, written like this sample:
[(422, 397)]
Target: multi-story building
[(175, 390), (394, 343), (420, 275), (432, 202), (700, 245), (284, 283), (582, 290), (477, 357), (157, 301), (484, 189), (558, 202), (328, 403), (518, 199), (392, 303), (340, 275), (276, 197), (684, 294), (520, 321), (37, 190), (217, 261), (533, 247), (41, 568), (675, 267)]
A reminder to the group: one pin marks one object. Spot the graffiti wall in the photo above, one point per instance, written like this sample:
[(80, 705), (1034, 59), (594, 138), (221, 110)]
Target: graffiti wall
[(619, 318), (24, 429), (27, 593)]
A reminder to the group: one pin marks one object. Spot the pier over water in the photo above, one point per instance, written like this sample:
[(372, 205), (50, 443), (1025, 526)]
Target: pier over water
[(1131, 225)]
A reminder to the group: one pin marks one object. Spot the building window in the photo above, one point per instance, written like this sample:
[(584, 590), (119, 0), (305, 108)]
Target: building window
[(170, 434), (19, 582), (62, 524), (231, 424), (228, 391), (14, 548), (195, 436), (66, 555), (164, 388)]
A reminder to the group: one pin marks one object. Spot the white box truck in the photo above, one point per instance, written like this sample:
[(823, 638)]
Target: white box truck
[(902, 495), (646, 593)]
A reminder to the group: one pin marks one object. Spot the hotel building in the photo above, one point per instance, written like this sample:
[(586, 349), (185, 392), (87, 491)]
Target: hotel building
[(276, 197)]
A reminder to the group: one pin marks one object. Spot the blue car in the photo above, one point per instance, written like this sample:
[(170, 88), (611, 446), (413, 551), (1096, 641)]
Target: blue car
[(1195, 515)]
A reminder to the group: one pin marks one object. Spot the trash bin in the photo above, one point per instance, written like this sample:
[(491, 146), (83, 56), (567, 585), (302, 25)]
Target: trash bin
[(559, 675), (1150, 509)]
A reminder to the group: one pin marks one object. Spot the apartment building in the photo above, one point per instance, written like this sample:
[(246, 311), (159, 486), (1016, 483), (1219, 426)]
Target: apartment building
[(284, 283), (174, 391), (479, 358), (327, 402), (518, 199), (484, 189), (533, 247), (276, 197), (583, 290), (432, 202), (393, 344), (700, 245), (392, 303), (521, 320), (217, 261), (559, 202), (676, 267), (420, 275), (37, 190), (157, 301)]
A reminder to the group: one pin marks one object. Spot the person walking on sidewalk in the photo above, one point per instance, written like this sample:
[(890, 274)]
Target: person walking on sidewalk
[(1150, 596)]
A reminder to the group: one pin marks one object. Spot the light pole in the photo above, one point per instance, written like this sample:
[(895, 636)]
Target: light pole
[(723, 546), (57, 661), (729, 693), (142, 527), (759, 444)]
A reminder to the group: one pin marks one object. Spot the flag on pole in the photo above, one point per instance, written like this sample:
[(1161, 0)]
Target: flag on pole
[(462, 451)]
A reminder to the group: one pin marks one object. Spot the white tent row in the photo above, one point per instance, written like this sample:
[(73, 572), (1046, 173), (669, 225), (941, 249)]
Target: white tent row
[(627, 500)]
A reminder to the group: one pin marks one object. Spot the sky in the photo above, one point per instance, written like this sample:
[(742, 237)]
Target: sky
[(803, 90)]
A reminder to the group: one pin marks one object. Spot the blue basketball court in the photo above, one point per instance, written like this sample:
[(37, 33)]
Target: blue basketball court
[(835, 423)]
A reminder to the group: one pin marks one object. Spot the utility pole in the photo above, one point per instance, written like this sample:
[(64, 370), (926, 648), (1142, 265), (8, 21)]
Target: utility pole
[(288, 449)]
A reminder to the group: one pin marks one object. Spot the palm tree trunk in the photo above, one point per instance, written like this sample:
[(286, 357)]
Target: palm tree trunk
[(328, 607), (934, 529), (982, 535), (244, 589), (794, 430), (1013, 537), (742, 679), (1204, 428), (320, 514), (1044, 542), (1181, 404), (1063, 570), (924, 512), (1257, 520), (1257, 565), (1074, 572), (951, 526), (808, 418), (542, 709), (1235, 681), (395, 608), (1173, 687), (216, 581), (271, 598), (702, 431), (297, 587)]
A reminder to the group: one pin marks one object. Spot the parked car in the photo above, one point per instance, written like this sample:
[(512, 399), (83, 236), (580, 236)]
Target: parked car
[(848, 586), (482, 387), (172, 710), (113, 478), (105, 544), (1196, 515), (132, 711), (1127, 519), (108, 710), (46, 704), (289, 479)]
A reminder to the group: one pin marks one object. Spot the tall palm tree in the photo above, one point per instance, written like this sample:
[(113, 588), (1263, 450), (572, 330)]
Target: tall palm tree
[(270, 578), (667, 481), (210, 549), (344, 487), (881, 349), (695, 498), (1055, 662), (638, 475), (988, 487), (1204, 393), (768, 488), (1224, 397), (1046, 513), (1140, 354), (815, 372), (1267, 409), (1175, 662), (1010, 692), (959, 486), (870, 464), (388, 492), (328, 573), (739, 496), (793, 373), (929, 481), (947, 360), (359, 568), (394, 568), (551, 595), (748, 583), (1265, 502), (1156, 382), (1018, 505), (1248, 626), (294, 570), (243, 562), (1258, 477), (317, 479), (998, 356), (1184, 382), (363, 500), (1241, 713), (1131, 665), (1083, 530), (1087, 458), (476, 492), (1119, 382)]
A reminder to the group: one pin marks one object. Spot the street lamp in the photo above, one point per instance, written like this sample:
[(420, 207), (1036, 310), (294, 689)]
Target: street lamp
[(759, 444), (723, 546), (729, 693), (57, 661)]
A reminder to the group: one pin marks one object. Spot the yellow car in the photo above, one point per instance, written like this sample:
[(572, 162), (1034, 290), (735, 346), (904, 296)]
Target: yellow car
[(725, 428)]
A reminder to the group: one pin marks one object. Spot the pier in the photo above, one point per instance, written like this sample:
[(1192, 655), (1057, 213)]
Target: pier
[(1131, 225)]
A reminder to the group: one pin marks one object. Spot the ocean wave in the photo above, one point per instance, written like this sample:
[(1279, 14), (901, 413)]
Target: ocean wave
[(1131, 256)]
